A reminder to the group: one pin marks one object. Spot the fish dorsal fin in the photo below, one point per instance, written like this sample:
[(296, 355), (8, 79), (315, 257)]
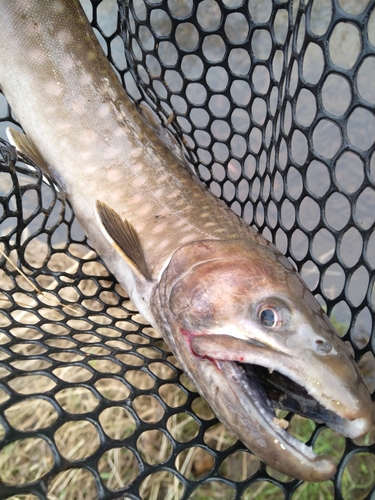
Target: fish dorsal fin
[(123, 238), (25, 145)]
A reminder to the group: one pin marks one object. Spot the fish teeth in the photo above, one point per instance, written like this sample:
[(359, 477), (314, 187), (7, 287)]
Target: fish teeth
[(280, 422)]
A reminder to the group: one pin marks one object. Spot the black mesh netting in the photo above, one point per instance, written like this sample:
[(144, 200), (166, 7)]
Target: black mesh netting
[(274, 104)]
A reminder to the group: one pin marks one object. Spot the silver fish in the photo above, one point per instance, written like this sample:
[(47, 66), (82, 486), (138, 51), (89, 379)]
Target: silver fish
[(231, 307)]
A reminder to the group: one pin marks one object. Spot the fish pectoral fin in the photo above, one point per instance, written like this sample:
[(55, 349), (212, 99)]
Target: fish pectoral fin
[(123, 238), (25, 145)]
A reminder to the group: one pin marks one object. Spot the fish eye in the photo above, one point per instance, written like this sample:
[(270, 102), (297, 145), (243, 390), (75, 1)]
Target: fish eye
[(267, 318), (273, 315)]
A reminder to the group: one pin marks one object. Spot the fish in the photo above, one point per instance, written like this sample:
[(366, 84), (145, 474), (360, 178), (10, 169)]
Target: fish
[(233, 310)]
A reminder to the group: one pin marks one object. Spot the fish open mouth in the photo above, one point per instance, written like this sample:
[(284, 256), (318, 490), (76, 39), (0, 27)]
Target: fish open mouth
[(254, 380), (270, 391), (261, 388), (262, 382), (256, 391), (280, 392)]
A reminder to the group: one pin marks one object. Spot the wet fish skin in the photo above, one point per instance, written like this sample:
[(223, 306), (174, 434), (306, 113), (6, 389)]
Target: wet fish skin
[(190, 265)]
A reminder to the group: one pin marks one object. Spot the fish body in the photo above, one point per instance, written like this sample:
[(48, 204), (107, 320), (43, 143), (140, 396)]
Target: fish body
[(225, 299)]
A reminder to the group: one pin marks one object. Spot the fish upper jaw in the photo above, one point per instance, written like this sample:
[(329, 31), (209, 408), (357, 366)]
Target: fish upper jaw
[(331, 392)]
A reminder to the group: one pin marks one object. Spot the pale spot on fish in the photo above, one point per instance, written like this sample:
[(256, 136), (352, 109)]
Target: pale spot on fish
[(284, 261), (91, 55), (136, 199), (38, 56), (85, 79), (51, 110), (138, 181), (163, 243), (159, 193), (57, 6), (173, 193), (78, 107), (114, 175), (110, 152), (117, 194), (104, 110), (119, 131), (67, 63), (135, 152), (180, 222), (87, 156), (159, 228), (145, 209), (88, 137), (64, 36), (185, 239), (53, 88)]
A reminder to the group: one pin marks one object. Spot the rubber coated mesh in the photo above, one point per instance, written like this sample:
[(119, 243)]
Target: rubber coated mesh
[(274, 105)]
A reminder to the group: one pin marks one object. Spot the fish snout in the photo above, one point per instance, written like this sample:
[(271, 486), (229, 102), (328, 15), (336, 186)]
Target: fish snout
[(337, 383), (359, 427)]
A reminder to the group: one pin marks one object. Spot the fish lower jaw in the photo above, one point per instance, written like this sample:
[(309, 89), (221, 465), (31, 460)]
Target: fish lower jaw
[(256, 389), (283, 451)]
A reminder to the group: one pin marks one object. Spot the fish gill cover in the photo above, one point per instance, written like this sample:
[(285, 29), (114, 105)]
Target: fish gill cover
[(273, 103)]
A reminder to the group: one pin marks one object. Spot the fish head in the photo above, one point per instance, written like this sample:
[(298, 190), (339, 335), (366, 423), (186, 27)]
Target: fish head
[(252, 337)]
